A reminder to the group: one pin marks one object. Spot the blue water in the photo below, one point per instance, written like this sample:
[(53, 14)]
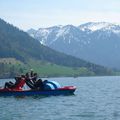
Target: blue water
[(96, 98)]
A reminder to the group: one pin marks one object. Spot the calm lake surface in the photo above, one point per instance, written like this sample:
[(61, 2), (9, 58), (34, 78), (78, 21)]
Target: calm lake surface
[(96, 98)]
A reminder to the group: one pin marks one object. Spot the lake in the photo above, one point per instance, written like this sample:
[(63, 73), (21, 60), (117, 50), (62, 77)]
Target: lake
[(96, 98)]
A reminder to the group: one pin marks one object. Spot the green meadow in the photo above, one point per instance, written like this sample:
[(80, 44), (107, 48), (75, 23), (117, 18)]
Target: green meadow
[(12, 67)]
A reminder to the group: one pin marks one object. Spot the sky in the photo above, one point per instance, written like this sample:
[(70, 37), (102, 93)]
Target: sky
[(26, 14)]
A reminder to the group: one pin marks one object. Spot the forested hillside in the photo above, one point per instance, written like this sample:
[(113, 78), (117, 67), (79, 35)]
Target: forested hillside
[(17, 44)]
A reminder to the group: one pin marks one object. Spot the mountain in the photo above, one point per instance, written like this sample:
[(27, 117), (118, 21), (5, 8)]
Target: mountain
[(19, 45), (31, 32), (95, 42)]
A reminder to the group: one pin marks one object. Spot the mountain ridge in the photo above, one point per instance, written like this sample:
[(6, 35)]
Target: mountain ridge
[(19, 45), (90, 41)]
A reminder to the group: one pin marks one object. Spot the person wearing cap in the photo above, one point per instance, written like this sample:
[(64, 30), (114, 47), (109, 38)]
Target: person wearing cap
[(34, 78), (33, 83), (29, 82)]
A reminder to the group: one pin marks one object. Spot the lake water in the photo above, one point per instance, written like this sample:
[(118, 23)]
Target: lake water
[(96, 98)]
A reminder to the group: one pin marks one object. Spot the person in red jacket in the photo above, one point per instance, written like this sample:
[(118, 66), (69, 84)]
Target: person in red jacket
[(19, 83)]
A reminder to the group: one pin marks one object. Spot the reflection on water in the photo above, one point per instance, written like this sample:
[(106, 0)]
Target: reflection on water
[(96, 98)]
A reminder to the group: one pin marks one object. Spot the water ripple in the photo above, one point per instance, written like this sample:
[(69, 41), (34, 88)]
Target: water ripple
[(96, 98)]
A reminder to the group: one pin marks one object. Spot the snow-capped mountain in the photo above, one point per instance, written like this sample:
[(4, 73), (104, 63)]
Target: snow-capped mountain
[(96, 42), (104, 26)]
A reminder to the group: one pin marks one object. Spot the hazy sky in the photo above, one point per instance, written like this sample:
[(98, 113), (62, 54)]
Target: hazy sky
[(27, 14)]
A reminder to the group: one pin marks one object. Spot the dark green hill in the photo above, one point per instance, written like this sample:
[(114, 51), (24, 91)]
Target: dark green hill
[(15, 43)]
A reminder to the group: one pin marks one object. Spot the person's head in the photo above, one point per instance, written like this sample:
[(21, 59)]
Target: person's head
[(22, 76), (31, 72), (35, 74), (40, 80)]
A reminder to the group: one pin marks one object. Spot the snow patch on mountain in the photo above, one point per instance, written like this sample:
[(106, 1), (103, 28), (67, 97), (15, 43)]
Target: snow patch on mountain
[(62, 32), (103, 26), (94, 26), (70, 34)]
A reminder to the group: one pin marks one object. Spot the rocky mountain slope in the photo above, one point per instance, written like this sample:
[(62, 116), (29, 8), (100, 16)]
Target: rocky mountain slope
[(95, 42)]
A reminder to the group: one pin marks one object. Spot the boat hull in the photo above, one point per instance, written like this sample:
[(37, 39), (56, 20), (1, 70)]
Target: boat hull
[(61, 91)]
